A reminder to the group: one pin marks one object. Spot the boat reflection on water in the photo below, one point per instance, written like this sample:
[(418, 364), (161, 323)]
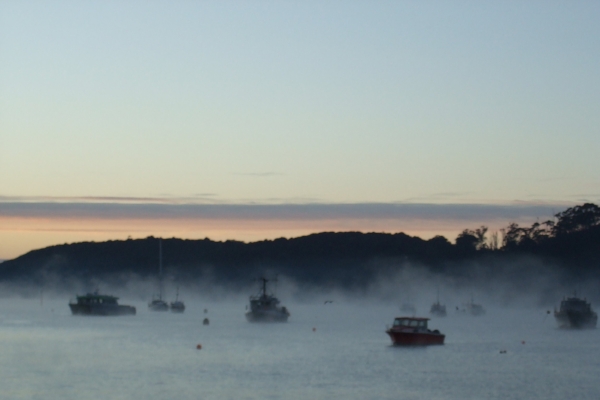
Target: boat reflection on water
[(265, 307)]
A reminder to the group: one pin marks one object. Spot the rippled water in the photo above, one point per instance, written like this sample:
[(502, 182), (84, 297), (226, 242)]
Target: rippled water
[(47, 353)]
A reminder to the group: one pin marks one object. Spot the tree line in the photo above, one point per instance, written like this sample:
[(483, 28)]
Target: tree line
[(571, 242)]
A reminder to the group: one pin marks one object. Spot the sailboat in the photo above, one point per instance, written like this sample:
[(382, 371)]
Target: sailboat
[(474, 308), (438, 309), (157, 303), (177, 306)]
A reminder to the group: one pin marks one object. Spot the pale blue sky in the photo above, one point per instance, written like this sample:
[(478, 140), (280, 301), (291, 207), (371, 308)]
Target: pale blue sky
[(301, 102)]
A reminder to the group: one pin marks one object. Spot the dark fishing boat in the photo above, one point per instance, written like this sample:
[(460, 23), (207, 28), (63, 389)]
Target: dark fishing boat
[(575, 313), (413, 331), (99, 304), (157, 303), (265, 307), (177, 306)]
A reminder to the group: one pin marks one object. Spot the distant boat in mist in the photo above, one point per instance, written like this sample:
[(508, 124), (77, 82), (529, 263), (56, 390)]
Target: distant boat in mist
[(474, 309), (575, 313), (264, 307), (99, 304), (157, 303), (177, 306), (438, 309)]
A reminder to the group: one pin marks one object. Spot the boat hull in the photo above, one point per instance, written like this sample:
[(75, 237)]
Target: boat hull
[(267, 316), (576, 320), (158, 305), (438, 310), (101, 309), (405, 338)]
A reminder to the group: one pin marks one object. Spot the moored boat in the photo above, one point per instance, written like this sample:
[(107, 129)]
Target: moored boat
[(438, 309), (265, 307), (575, 313), (474, 308), (177, 306), (99, 304), (157, 303), (413, 331)]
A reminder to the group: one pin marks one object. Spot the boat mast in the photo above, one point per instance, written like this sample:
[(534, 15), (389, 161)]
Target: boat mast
[(160, 282), (264, 288)]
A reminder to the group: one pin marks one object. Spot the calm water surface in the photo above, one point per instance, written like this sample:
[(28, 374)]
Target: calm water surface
[(49, 354)]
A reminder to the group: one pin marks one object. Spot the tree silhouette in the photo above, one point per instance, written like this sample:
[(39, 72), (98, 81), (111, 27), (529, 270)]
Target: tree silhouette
[(576, 219), (470, 240)]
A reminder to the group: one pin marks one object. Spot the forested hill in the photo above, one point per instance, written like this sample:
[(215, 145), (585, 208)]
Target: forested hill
[(344, 259)]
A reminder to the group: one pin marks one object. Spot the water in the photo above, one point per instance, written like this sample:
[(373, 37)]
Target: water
[(47, 353)]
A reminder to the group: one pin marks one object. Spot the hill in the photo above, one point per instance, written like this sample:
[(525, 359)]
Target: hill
[(569, 247)]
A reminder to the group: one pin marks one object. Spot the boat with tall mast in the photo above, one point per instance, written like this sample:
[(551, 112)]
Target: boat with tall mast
[(157, 303), (265, 307), (474, 309), (438, 309), (177, 306)]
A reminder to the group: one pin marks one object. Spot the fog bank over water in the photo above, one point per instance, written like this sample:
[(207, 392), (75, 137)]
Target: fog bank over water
[(333, 350), (524, 281)]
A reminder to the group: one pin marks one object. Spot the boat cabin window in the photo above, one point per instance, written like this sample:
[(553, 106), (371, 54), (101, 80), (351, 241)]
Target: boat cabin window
[(410, 322)]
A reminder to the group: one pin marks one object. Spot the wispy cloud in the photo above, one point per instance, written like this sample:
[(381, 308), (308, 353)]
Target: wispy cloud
[(259, 174), (163, 199), (144, 208)]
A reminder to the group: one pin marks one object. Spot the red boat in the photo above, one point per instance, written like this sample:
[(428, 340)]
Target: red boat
[(412, 331)]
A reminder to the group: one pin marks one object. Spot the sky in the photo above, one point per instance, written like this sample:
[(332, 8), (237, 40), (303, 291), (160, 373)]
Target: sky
[(307, 115)]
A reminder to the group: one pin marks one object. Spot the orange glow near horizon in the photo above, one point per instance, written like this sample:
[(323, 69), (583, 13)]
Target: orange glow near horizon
[(19, 235)]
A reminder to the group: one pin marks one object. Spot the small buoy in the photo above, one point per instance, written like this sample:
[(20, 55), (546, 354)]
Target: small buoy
[(205, 310), (502, 351), (205, 321), (522, 342), (314, 329), (199, 346)]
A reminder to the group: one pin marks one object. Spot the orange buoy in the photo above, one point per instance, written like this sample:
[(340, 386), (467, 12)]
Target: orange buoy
[(199, 346), (523, 342)]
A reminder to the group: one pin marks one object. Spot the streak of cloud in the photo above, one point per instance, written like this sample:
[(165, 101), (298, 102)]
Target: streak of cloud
[(258, 174), (173, 210)]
